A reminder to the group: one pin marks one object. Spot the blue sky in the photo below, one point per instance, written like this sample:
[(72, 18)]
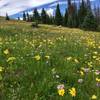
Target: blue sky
[(15, 6)]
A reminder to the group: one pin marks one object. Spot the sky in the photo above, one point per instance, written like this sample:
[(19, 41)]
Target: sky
[(14, 6)]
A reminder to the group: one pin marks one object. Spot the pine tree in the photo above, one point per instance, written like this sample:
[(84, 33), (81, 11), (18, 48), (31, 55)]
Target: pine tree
[(73, 17), (18, 18), (69, 6), (89, 22), (28, 17), (52, 19), (24, 16), (89, 4), (97, 14), (36, 15), (48, 20), (65, 19), (44, 16), (31, 18), (7, 17), (82, 12), (58, 16)]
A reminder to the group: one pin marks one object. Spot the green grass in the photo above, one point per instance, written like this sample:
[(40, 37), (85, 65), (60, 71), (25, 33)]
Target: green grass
[(68, 51)]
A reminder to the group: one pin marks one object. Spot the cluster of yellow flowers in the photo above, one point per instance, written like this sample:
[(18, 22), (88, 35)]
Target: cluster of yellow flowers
[(72, 59), (90, 42), (9, 59), (38, 57), (98, 79), (61, 90)]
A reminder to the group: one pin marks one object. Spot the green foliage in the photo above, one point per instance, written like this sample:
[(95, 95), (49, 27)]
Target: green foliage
[(7, 17), (58, 16), (24, 16), (44, 16), (63, 53), (35, 24), (18, 18), (36, 16), (90, 22), (82, 12), (72, 17), (28, 17), (65, 19)]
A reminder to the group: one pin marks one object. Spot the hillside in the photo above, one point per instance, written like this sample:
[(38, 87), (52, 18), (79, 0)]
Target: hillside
[(48, 63)]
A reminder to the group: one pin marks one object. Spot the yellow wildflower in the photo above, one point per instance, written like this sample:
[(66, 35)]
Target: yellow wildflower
[(11, 59), (90, 64), (76, 60), (94, 97), (94, 57), (69, 58), (98, 79), (82, 73), (37, 57), (47, 57), (72, 91), (82, 68), (95, 52), (1, 69), (99, 47), (6, 52), (61, 92)]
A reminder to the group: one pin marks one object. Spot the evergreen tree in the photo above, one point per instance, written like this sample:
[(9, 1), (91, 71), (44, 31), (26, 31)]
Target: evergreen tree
[(52, 19), (48, 20), (18, 18), (69, 22), (97, 14), (89, 22), (69, 6), (73, 17), (28, 17), (89, 4), (24, 16), (31, 18), (36, 15), (65, 19), (44, 16), (82, 12), (7, 17), (58, 16)]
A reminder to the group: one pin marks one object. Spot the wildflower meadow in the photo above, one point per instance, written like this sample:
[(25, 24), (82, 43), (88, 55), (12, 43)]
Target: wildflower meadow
[(48, 62)]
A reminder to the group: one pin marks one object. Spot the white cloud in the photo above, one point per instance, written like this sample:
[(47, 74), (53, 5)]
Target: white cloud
[(64, 2), (15, 6), (50, 11)]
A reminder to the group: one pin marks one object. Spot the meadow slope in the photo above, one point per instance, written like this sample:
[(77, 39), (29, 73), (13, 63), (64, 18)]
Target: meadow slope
[(48, 63)]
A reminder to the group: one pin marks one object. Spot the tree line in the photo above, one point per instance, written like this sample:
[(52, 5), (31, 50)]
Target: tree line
[(75, 17)]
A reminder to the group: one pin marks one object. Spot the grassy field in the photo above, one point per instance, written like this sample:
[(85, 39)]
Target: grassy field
[(48, 63)]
